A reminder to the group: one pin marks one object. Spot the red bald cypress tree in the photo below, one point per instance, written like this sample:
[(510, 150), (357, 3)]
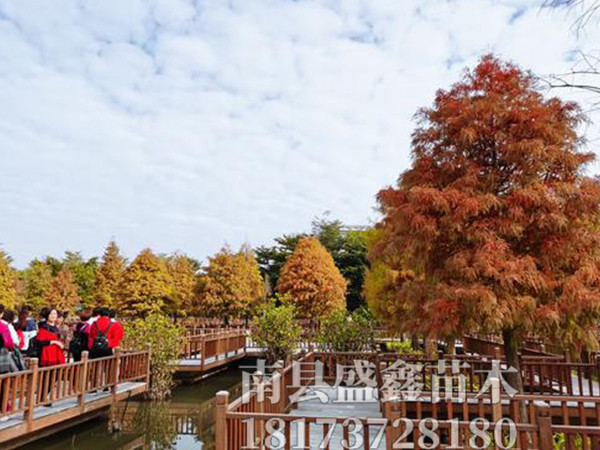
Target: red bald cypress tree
[(495, 219)]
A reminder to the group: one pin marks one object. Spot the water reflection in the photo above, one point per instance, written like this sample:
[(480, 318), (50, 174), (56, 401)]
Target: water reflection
[(186, 422)]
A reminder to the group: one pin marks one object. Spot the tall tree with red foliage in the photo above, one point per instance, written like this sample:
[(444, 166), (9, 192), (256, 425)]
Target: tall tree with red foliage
[(496, 219)]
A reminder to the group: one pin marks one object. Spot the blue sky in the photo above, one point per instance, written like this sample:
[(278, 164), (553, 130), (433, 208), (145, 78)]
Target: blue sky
[(188, 124)]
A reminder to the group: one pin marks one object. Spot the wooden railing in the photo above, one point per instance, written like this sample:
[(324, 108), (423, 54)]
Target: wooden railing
[(14, 389), (38, 386), (577, 418), (134, 366), (230, 416), (213, 343), (541, 374), (493, 347), (549, 414)]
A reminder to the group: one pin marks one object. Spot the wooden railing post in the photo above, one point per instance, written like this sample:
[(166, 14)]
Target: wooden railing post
[(222, 335), (221, 420), (596, 362), (83, 376), (544, 422), (203, 352), (116, 371), (148, 365), (188, 346), (283, 401), (260, 404), (495, 399), (498, 353), (33, 383), (389, 431)]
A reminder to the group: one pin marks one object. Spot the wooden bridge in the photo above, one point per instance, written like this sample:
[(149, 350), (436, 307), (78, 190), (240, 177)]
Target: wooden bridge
[(39, 401), (212, 349), (562, 399)]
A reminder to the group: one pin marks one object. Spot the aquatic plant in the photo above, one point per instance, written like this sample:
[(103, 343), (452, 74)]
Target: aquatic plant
[(166, 341)]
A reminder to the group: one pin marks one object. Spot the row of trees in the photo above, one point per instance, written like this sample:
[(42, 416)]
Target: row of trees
[(229, 285), (150, 282)]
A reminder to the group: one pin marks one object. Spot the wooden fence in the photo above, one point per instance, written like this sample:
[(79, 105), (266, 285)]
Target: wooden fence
[(39, 386), (549, 413), (230, 424), (494, 347), (213, 343), (544, 375)]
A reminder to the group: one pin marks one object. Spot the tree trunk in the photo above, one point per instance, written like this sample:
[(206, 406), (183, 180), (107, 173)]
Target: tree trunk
[(512, 345), (511, 350), (431, 348), (414, 342), (451, 347)]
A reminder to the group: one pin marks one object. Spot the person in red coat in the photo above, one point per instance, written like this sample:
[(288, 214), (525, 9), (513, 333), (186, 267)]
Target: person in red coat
[(119, 331), (48, 340), (104, 327)]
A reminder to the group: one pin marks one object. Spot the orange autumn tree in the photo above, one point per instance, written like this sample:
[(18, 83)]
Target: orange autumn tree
[(312, 280), (62, 293), (495, 218), (109, 276), (145, 286), (184, 279), (230, 285)]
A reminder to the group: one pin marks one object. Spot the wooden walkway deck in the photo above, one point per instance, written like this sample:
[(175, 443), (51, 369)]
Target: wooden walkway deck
[(549, 409), (336, 406), (209, 351), (67, 409), (40, 401)]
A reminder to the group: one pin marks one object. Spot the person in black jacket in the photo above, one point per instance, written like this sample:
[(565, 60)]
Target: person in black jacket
[(79, 342)]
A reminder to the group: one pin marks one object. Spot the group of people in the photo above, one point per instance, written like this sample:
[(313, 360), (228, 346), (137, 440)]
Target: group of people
[(53, 339)]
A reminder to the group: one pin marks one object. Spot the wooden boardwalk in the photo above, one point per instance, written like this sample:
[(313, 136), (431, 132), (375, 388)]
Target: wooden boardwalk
[(212, 350), (41, 401), (338, 406), (556, 403), (67, 409)]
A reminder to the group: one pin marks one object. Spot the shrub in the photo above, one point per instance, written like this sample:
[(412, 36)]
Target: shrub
[(166, 341), (345, 332), (403, 348), (276, 329)]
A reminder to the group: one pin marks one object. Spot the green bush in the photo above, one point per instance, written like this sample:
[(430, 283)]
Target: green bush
[(275, 327), (403, 348), (560, 442), (343, 332), (166, 341)]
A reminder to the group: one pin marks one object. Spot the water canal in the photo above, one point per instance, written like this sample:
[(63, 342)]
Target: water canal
[(186, 422)]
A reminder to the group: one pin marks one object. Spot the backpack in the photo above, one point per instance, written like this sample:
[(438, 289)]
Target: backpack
[(18, 359), (79, 343), (100, 343), (33, 350)]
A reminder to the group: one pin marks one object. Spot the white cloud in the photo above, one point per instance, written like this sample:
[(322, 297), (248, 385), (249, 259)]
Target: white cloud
[(181, 124)]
